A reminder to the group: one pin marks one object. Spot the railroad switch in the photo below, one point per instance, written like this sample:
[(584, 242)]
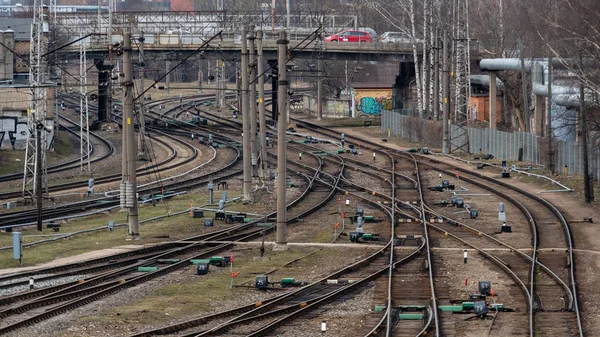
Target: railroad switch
[(290, 282), (446, 184), (412, 312), (361, 237)]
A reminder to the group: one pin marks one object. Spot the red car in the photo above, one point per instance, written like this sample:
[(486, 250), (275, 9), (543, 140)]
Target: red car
[(350, 36)]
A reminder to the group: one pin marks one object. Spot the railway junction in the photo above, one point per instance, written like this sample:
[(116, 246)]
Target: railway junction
[(147, 206)]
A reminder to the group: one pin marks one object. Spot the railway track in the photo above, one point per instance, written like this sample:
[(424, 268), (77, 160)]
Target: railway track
[(549, 289)]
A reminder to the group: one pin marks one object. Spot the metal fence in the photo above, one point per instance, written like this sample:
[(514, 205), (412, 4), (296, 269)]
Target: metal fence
[(504, 145)]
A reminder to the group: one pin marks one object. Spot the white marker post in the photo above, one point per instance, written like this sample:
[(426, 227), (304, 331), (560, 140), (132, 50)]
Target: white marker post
[(323, 326), (31, 283), (373, 156), (465, 257)]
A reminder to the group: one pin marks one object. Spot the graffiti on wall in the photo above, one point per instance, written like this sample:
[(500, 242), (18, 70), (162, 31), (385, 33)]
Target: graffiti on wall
[(372, 102), (13, 133)]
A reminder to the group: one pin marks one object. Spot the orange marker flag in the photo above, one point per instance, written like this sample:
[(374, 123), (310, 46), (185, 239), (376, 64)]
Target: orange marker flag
[(492, 292)]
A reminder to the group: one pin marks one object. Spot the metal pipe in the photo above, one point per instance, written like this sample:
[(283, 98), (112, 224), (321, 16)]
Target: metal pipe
[(247, 164), (281, 142), (261, 105)]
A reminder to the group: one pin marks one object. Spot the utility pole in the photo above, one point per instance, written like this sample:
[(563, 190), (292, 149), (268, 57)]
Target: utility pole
[(110, 20), (252, 101), (445, 91), (551, 165), (168, 79), (84, 127), (587, 181), (281, 143), (273, 16), (436, 76), (141, 148), (38, 176), (129, 147), (246, 119), (319, 89), (37, 105), (261, 106)]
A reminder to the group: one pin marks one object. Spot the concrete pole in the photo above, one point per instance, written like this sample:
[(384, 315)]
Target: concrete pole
[(436, 76), (446, 102), (128, 124), (252, 100), (538, 112), (247, 164), (281, 143), (492, 104), (319, 89), (261, 106)]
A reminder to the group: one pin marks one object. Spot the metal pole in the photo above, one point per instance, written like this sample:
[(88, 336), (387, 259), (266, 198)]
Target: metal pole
[(128, 124), (168, 79), (252, 101), (551, 165), (38, 174), (524, 88), (446, 103), (273, 16), (436, 76), (281, 143), (218, 86), (261, 105), (110, 20), (246, 119), (141, 150), (319, 89), (287, 14), (587, 182)]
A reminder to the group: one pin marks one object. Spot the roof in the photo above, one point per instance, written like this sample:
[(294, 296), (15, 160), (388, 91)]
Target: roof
[(21, 27)]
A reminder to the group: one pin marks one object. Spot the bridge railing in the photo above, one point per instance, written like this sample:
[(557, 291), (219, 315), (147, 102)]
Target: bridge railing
[(204, 23)]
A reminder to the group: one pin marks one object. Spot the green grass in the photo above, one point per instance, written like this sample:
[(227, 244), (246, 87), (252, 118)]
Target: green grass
[(11, 161), (177, 227), (202, 293)]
